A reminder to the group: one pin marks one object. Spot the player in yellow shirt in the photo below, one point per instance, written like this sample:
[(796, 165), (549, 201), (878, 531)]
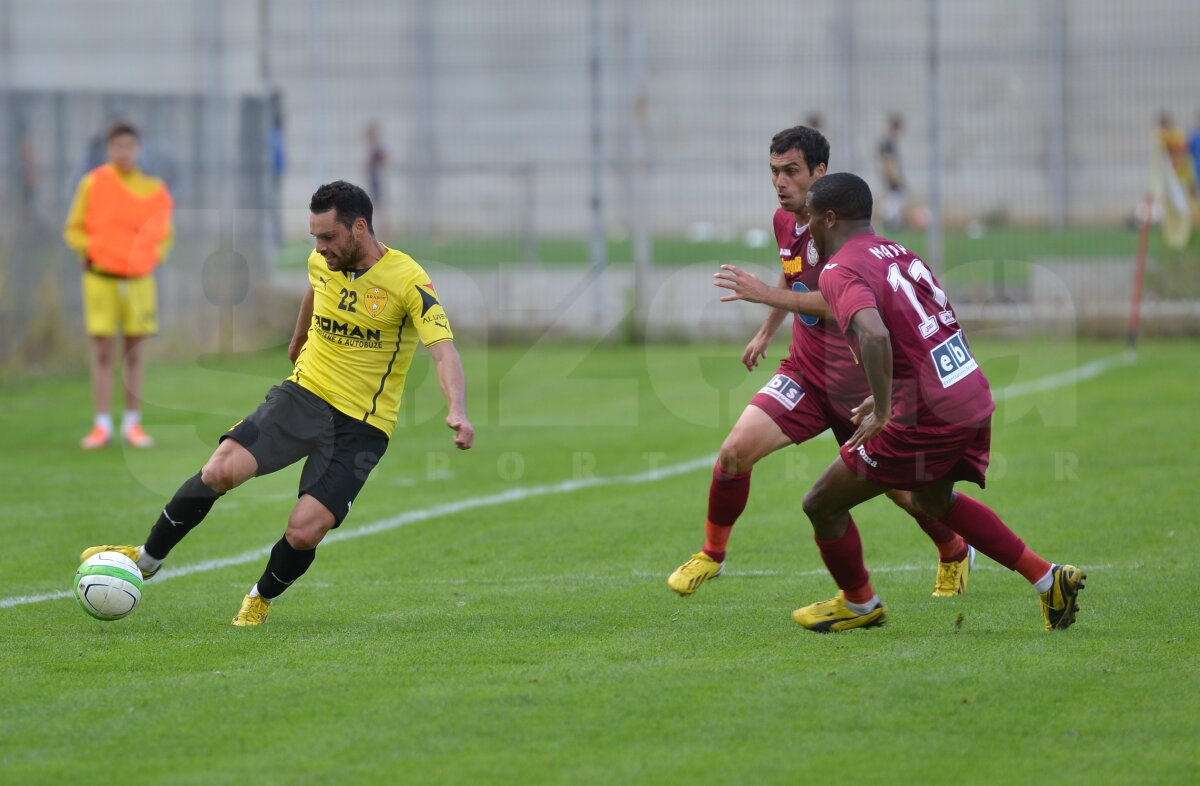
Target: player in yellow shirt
[(120, 226), (359, 324)]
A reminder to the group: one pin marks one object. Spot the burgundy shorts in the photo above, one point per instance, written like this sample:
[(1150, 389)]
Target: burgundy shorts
[(903, 457), (801, 411)]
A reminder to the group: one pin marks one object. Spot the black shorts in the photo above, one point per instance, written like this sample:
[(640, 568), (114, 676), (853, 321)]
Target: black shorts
[(293, 424)]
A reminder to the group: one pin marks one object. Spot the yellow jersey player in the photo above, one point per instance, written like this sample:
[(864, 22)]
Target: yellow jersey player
[(120, 226), (359, 324)]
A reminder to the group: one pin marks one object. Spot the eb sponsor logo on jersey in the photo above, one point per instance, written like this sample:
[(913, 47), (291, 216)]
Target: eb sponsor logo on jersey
[(953, 360), (785, 390)]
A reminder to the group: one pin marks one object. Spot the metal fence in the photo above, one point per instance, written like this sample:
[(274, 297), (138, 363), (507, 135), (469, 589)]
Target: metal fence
[(541, 118)]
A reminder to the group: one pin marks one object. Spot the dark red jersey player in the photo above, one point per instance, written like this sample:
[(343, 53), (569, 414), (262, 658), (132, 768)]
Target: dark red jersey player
[(930, 423), (941, 402)]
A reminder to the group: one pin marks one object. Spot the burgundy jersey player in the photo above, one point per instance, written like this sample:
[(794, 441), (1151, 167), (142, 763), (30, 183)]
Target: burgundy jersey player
[(815, 387), (927, 424)]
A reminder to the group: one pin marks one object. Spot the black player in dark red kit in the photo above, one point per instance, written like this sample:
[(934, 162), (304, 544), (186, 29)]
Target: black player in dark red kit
[(927, 425)]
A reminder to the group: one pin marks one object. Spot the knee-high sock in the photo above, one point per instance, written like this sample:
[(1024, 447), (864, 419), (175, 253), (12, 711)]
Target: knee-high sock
[(187, 508), (984, 530), (950, 545), (844, 558), (727, 497), (284, 566)]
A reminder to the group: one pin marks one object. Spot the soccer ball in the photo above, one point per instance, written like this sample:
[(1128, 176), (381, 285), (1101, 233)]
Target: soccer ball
[(108, 585)]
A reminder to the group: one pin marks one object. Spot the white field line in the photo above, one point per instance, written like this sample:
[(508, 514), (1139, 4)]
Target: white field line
[(1062, 379)]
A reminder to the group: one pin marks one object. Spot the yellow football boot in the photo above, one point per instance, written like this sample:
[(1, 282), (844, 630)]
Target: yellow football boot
[(254, 611), (952, 576), (688, 577), (833, 615), (133, 552), (1059, 604)]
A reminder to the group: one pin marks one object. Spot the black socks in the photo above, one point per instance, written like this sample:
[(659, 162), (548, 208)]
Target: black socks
[(285, 565), (186, 509)]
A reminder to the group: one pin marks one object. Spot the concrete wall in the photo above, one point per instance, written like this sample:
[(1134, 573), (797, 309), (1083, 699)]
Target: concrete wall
[(497, 87)]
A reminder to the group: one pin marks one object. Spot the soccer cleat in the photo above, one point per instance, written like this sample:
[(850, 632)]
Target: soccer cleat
[(833, 615), (952, 576), (688, 577), (254, 611), (97, 438), (133, 552), (1059, 604), (135, 436)]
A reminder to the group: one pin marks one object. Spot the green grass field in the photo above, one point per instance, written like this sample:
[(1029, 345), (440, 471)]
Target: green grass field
[(534, 640)]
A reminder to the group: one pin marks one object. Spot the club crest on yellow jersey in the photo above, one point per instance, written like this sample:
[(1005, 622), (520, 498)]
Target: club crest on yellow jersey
[(376, 300)]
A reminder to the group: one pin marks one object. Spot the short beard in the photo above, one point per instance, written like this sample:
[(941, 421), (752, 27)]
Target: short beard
[(347, 261)]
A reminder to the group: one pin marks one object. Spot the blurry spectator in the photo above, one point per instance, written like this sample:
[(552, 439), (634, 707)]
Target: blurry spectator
[(1194, 149), (120, 225), (375, 169), (278, 166), (154, 157), (893, 174), (813, 121), (27, 168), (1173, 181)]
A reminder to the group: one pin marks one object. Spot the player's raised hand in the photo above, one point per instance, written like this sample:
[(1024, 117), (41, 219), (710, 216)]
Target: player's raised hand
[(464, 432), (742, 285), (755, 350)]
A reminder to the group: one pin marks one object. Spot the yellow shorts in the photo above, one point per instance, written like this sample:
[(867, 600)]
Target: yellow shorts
[(119, 305)]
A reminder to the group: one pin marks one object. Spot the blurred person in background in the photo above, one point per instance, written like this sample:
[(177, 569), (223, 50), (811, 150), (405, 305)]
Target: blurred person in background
[(27, 169), (375, 169), (1194, 150), (1173, 182), (893, 174), (120, 226), (278, 158)]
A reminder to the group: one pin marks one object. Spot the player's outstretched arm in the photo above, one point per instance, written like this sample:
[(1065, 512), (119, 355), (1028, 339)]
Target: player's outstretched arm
[(749, 287), (875, 345), (757, 348), (303, 320), (454, 388)]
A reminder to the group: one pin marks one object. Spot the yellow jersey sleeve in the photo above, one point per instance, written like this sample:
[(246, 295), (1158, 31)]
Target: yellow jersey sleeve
[(425, 310), (364, 332), (74, 233)]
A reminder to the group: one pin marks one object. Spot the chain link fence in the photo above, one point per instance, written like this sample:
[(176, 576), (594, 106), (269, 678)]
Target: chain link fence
[(535, 119)]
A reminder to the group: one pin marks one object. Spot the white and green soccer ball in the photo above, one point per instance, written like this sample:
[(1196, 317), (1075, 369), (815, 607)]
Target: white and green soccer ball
[(108, 585)]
